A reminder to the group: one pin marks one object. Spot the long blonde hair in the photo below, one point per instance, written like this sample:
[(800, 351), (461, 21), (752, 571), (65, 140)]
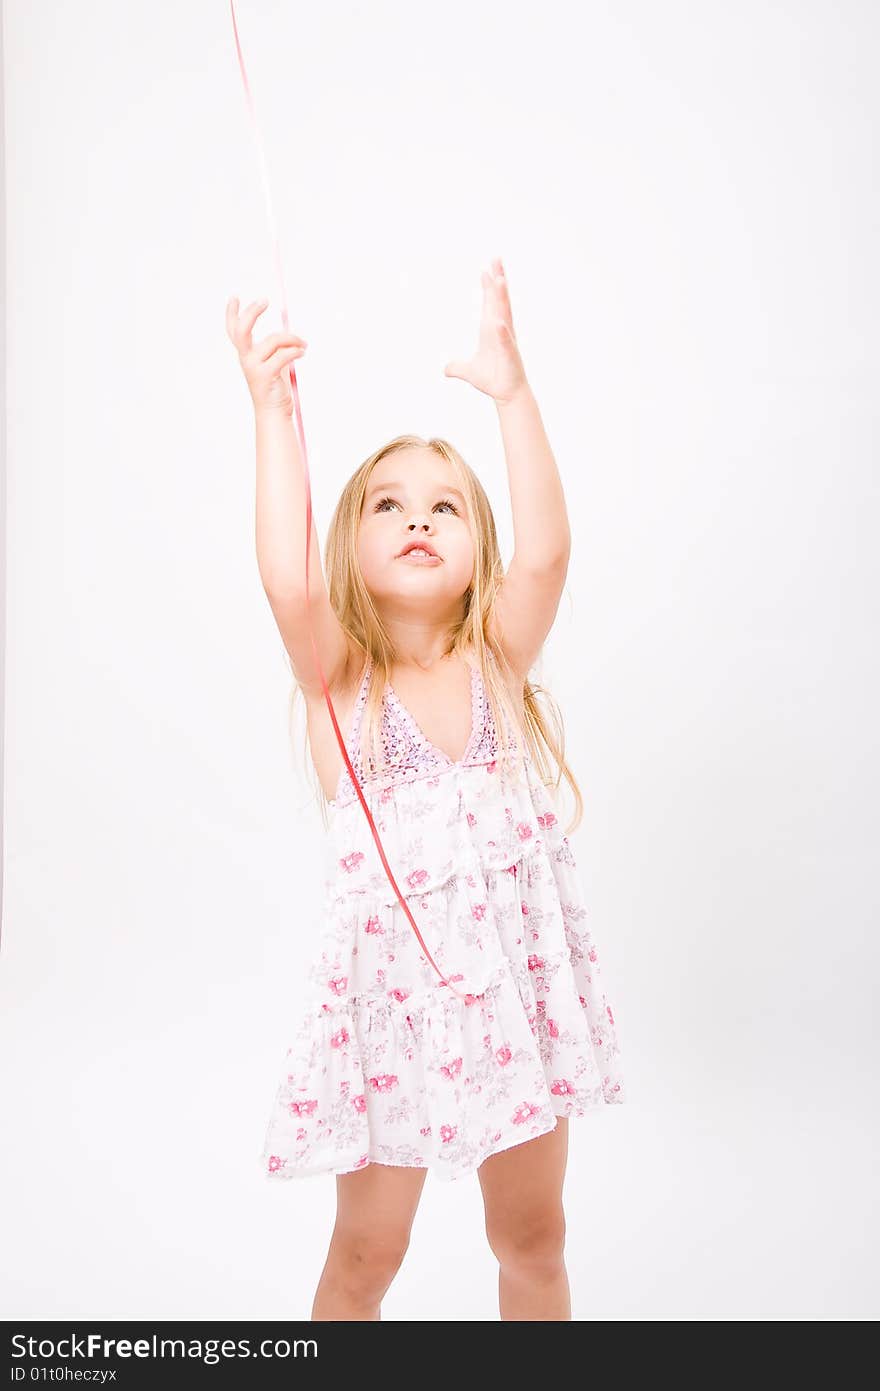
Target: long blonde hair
[(354, 608)]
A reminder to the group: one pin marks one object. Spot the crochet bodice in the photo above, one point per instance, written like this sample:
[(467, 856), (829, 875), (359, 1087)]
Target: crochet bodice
[(409, 753)]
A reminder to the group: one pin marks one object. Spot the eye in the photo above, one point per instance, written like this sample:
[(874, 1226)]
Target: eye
[(444, 502)]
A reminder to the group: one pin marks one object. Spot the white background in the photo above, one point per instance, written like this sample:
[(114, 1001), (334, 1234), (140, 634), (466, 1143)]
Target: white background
[(685, 201)]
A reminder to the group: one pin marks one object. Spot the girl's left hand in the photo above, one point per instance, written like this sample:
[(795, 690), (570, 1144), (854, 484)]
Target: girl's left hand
[(496, 368)]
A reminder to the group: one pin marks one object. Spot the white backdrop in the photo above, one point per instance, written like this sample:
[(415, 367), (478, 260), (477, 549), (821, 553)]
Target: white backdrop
[(684, 200)]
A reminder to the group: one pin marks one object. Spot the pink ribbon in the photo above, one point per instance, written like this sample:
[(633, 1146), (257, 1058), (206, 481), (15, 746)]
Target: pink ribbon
[(467, 998)]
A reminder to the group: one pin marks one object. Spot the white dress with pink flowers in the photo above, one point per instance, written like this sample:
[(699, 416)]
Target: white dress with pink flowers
[(387, 1065)]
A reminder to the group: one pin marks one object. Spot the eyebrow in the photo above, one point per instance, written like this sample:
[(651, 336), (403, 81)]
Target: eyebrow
[(387, 487)]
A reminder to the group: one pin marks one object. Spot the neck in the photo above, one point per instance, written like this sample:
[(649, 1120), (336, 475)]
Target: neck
[(421, 661)]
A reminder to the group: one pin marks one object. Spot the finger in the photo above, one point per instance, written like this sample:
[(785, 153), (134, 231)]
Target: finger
[(497, 286), (267, 346), (251, 314), (503, 297), (243, 323), (239, 325), (283, 355), (498, 280)]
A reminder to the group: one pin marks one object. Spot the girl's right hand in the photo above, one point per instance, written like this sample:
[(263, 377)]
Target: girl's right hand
[(265, 364)]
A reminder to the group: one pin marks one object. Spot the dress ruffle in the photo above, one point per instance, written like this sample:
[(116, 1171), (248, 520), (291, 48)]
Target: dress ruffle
[(387, 1065)]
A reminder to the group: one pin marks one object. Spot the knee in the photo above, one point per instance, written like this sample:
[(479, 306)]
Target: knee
[(368, 1261), (535, 1242)]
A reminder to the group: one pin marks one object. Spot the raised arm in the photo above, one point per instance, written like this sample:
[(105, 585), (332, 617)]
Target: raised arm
[(529, 595), (281, 542), (281, 509)]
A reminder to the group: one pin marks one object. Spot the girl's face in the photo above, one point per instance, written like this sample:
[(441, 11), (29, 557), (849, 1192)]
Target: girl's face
[(412, 496)]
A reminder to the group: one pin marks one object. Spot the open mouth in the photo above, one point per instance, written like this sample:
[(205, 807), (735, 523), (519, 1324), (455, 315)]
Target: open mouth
[(419, 556)]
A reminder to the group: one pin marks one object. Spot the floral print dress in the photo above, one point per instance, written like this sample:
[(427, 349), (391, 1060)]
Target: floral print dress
[(387, 1065)]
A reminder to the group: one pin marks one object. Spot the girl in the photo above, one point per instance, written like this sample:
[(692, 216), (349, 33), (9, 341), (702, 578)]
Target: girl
[(426, 643)]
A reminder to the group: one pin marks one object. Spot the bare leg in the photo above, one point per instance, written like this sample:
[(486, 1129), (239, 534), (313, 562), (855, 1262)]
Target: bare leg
[(525, 1224), (375, 1208)]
